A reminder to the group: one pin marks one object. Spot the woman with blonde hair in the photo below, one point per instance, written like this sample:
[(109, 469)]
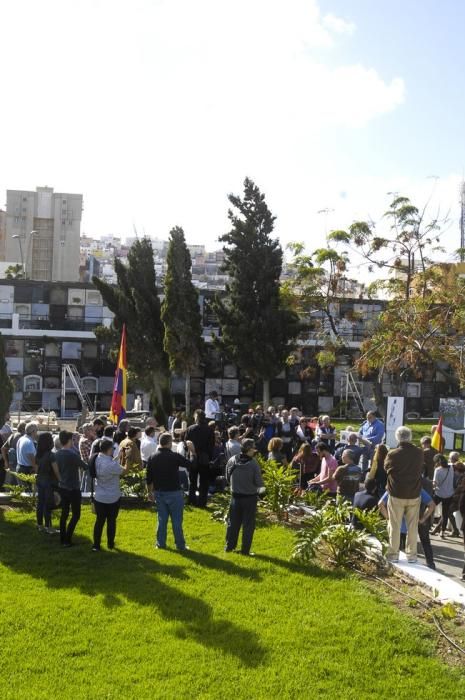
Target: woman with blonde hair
[(275, 451)]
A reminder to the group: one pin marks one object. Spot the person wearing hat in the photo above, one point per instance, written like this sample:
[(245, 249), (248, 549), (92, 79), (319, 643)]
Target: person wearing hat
[(245, 480)]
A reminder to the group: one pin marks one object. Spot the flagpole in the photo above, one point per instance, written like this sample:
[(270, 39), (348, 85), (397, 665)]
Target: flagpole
[(118, 400)]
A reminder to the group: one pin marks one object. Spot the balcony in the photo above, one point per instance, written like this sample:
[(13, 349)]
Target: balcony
[(43, 322)]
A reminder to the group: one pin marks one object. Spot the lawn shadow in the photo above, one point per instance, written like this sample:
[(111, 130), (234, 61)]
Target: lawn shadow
[(301, 568), (121, 574), (227, 567)]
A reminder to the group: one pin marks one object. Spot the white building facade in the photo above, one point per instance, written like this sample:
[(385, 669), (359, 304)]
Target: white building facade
[(43, 233)]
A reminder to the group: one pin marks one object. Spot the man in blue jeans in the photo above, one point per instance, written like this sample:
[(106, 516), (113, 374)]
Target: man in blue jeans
[(164, 488)]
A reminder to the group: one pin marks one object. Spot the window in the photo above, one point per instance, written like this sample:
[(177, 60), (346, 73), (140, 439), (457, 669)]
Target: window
[(71, 351), (14, 348), (24, 311), (52, 349), (93, 298), (89, 350), (32, 382), (59, 295), (76, 297), (90, 384), (52, 383), (75, 313)]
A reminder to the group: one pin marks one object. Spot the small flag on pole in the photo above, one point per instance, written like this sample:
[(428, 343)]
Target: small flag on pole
[(118, 401), (437, 441)]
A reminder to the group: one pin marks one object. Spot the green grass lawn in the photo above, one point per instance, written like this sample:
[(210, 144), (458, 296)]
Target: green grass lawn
[(418, 429), (145, 623)]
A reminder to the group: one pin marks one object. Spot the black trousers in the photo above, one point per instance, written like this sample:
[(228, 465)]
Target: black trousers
[(423, 533), (70, 499), (446, 503), (199, 473), (106, 513), (242, 513)]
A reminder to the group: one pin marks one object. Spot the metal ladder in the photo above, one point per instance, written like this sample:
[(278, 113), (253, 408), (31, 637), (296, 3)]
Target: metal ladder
[(350, 390), (70, 371)]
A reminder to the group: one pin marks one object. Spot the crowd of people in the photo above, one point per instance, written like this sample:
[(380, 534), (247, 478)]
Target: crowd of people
[(218, 450)]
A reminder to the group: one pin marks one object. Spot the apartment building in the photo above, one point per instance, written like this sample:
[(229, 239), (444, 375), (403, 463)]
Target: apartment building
[(42, 233)]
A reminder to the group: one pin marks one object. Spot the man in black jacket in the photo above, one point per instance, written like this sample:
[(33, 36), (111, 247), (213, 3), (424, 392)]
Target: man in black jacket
[(202, 437), (244, 476), (164, 488)]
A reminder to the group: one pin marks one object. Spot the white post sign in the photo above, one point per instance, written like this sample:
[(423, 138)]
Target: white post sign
[(394, 418)]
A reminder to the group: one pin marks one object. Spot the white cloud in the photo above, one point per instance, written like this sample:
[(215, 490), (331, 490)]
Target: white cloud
[(156, 109), (337, 24)]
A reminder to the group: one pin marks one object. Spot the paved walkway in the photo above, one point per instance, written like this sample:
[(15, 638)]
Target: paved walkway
[(448, 556)]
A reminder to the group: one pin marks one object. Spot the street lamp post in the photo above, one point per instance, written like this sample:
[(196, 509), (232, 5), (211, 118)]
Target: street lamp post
[(21, 253), (32, 233)]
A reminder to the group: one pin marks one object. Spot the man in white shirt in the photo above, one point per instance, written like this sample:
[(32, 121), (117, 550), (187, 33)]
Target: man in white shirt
[(148, 444), (212, 406)]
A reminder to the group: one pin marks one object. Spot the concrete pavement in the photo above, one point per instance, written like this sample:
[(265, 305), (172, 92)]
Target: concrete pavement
[(448, 556)]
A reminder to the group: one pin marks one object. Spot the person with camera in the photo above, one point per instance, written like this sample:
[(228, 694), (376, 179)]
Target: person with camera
[(244, 477), (107, 472)]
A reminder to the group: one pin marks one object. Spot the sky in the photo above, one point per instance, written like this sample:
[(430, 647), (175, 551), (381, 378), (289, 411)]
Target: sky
[(155, 110)]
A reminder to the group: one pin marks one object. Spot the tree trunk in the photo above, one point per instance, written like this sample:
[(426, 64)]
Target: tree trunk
[(161, 398), (378, 396), (266, 394), (187, 390)]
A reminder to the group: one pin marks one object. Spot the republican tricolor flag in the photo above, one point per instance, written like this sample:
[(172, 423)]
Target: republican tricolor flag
[(118, 400)]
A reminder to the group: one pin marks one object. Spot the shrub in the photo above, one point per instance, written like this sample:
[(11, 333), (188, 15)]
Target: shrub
[(25, 493), (220, 503), (328, 533), (134, 484), (279, 483)]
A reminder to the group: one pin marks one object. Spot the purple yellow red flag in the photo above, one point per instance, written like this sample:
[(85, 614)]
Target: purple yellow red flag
[(118, 400), (437, 441)]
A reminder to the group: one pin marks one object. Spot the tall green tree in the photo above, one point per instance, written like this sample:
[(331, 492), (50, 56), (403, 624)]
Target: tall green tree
[(134, 301), (180, 312), (258, 325), (319, 282), (6, 392)]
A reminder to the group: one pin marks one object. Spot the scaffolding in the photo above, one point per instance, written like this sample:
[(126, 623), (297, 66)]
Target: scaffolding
[(70, 372), (351, 404)]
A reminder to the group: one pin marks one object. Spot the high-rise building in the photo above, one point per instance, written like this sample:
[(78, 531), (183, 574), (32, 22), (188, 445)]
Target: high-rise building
[(2, 233), (43, 233)]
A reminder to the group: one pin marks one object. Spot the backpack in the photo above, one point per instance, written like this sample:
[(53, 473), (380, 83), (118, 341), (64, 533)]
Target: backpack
[(350, 481), (12, 456), (91, 463)]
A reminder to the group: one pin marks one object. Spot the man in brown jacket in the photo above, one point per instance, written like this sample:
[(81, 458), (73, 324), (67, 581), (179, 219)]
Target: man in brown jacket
[(404, 467)]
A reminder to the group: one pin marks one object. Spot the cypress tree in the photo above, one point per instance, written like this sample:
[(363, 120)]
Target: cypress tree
[(258, 327), (134, 301), (6, 387), (180, 312)]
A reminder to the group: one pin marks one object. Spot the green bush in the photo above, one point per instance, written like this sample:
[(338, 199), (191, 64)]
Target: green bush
[(373, 522), (315, 499), (220, 503), (279, 482), (25, 493), (134, 484), (329, 534)]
